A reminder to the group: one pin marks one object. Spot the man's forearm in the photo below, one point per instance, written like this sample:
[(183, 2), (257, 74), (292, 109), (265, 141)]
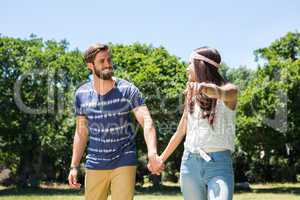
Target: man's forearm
[(143, 116), (150, 139), (149, 134), (79, 145)]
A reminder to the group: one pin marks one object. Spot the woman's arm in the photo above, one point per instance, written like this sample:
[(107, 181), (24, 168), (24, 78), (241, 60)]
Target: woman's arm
[(227, 93), (176, 138)]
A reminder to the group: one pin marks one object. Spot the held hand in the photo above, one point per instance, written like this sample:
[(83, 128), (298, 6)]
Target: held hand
[(155, 164), (72, 178)]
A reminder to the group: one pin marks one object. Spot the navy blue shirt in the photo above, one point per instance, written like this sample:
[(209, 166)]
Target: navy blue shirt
[(111, 131)]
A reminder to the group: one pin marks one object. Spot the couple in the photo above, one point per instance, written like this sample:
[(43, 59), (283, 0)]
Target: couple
[(103, 109)]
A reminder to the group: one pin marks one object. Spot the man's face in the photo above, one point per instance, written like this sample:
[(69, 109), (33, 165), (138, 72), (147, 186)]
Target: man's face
[(102, 66)]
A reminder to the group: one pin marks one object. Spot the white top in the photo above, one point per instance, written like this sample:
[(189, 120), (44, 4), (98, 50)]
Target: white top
[(202, 136)]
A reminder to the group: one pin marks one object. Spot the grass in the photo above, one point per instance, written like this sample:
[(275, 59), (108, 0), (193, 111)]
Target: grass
[(287, 191)]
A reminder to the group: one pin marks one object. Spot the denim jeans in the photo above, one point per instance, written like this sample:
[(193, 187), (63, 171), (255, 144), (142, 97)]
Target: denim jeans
[(202, 180)]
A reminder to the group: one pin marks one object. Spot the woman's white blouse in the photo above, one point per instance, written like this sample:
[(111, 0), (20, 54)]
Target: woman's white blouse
[(202, 136)]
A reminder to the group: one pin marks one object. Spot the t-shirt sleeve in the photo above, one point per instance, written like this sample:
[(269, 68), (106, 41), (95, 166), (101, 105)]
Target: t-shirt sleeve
[(78, 106), (136, 98)]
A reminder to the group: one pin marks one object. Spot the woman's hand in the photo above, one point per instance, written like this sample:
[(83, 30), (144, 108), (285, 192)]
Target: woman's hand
[(196, 88), (227, 93)]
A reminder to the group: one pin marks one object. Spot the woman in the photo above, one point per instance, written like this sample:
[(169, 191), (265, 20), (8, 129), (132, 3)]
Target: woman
[(208, 122)]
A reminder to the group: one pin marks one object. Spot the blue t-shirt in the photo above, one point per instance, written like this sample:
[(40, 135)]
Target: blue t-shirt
[(111, 131)]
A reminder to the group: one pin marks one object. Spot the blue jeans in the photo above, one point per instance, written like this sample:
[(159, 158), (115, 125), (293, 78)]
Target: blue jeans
[(201, 180)]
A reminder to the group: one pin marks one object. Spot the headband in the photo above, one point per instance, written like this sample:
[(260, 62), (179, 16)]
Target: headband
[(197, 56)]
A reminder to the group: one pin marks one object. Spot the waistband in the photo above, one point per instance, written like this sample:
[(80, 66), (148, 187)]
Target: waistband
[(207, 156)]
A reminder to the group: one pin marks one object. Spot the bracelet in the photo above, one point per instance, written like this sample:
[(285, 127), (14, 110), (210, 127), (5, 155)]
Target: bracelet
[(74, 167)]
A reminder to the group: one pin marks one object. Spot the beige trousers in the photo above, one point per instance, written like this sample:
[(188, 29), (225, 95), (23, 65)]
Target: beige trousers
[(120, 182)]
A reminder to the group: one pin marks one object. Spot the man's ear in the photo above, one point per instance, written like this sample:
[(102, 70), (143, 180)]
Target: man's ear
[(90, 66)]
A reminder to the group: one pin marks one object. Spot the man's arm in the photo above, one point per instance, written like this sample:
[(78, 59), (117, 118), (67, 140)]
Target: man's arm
[(143, 116), (79, 144)]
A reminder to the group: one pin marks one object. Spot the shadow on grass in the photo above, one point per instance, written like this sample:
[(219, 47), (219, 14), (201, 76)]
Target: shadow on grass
[(271, 190), (277, 190), (162, 190), (39, 191)]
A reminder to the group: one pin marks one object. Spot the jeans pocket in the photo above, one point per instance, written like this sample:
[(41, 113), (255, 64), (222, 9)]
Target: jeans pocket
[(185, 156), (222, 157)]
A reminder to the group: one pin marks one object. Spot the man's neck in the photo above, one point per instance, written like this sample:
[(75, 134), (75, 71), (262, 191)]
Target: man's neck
[(102, 86)]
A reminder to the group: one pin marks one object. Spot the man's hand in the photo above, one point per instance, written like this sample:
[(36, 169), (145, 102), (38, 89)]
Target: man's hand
[(79, 144), (73, 179), (155, 164)]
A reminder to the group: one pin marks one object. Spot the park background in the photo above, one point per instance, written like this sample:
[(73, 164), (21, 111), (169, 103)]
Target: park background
[(41, 45)]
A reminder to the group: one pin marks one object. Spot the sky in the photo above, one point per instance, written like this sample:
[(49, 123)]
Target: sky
[(236, 28)]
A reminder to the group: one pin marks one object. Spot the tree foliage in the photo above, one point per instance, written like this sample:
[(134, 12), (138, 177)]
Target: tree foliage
[(38, 80), (268, 121)]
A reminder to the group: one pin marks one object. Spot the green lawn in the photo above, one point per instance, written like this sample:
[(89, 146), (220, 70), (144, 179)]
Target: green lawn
[(259, 192)]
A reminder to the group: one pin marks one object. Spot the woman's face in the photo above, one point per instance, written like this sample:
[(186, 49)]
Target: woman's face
[(191, 72)]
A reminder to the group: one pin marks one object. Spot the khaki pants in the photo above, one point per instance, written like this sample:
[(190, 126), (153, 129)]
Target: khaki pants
[(120, 182)]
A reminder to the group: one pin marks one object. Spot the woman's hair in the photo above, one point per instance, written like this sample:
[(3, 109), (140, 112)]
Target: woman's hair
[(208, 73)]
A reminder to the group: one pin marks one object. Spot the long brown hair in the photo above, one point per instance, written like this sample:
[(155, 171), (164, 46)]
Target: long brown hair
[(205, 72)]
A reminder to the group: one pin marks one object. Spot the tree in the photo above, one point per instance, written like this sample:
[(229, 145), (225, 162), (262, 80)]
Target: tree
[(37, 79), (267, 123)]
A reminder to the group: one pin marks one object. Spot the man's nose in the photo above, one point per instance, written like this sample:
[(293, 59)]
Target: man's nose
[(108, 64)]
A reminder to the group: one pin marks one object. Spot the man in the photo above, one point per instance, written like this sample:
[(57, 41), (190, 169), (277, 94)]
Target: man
[(103, 107)]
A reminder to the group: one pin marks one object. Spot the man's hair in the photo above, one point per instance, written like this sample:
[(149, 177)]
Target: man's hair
[(90, 53)]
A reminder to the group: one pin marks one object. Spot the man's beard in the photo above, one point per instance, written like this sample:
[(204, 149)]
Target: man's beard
[(105, 74)]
